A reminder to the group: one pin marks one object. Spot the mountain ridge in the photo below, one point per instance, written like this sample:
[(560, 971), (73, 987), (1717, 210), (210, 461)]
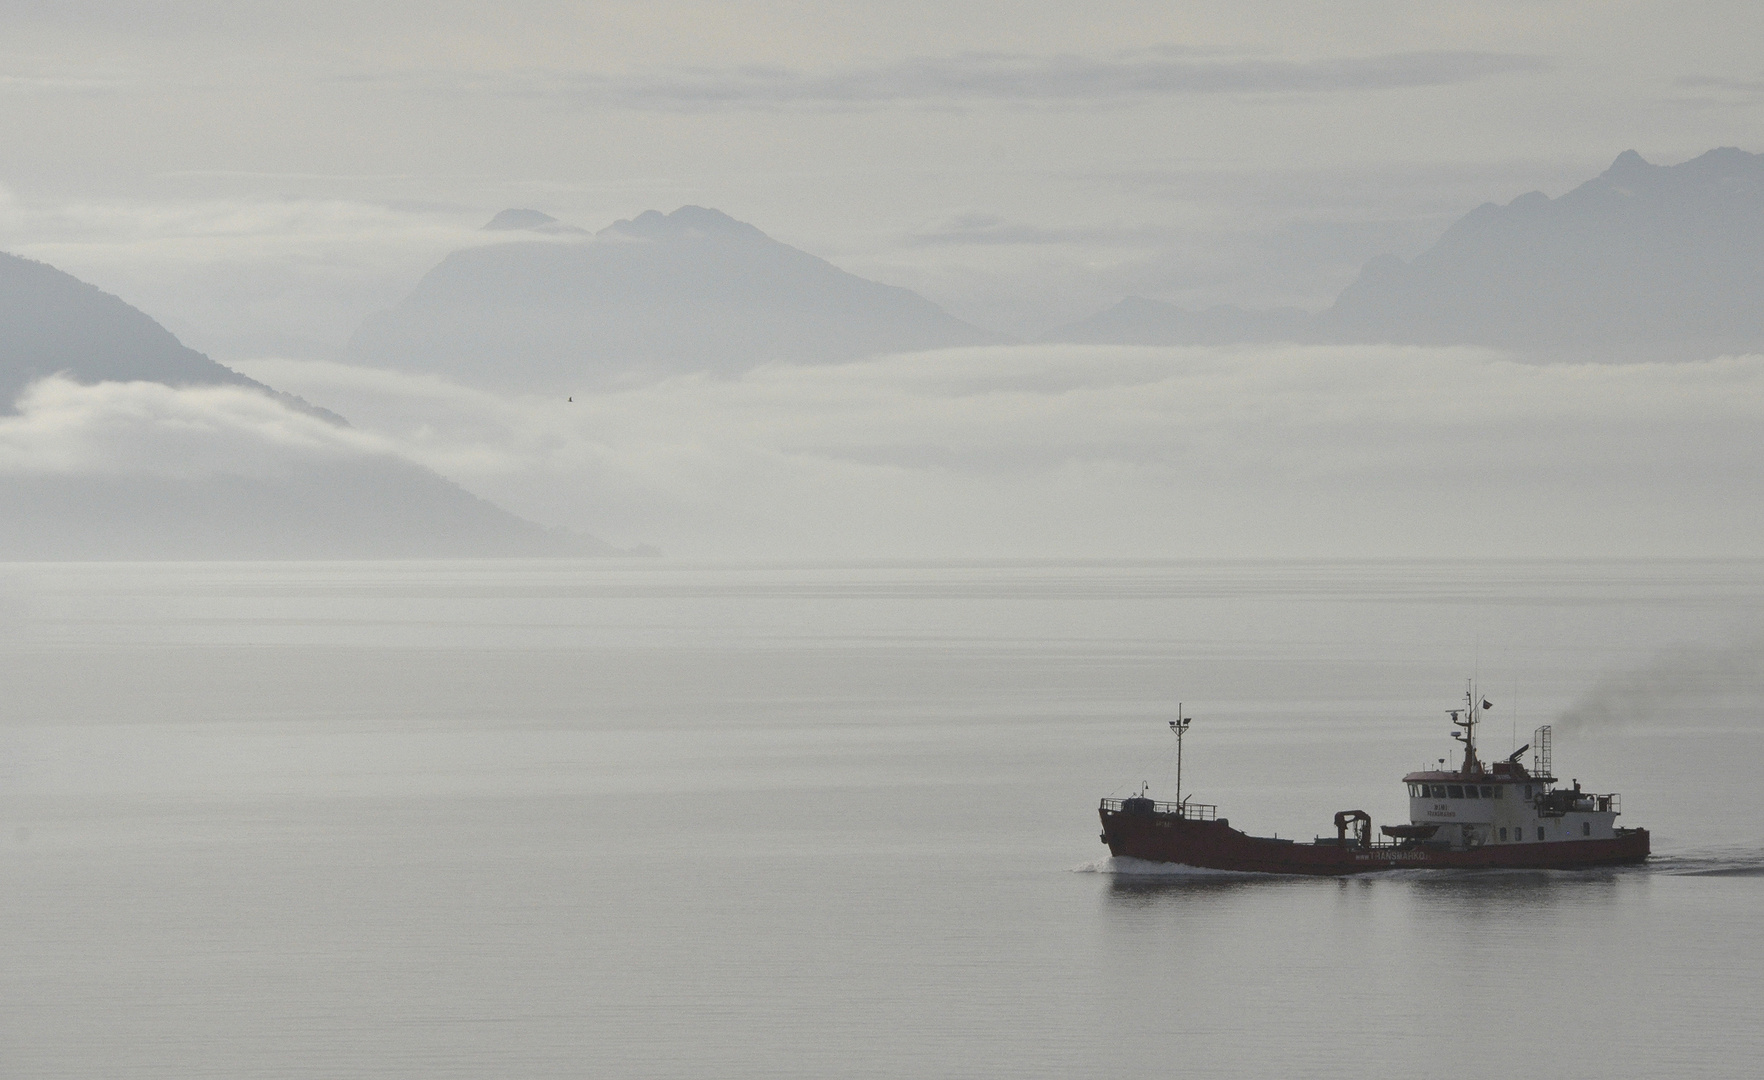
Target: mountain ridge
[(1642, 261), (52, 323), (694, 290), (367, 505), (1639, 258)]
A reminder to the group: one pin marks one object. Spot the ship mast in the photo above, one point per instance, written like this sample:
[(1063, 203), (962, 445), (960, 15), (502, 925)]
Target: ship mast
[(1180, 727), (1465, 719)]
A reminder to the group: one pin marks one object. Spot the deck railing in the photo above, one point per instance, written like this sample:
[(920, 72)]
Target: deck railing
[(1564, 801), (1189, 811)]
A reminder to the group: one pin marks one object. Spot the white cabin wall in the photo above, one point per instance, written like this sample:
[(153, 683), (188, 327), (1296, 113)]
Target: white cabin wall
[(1511, 811)]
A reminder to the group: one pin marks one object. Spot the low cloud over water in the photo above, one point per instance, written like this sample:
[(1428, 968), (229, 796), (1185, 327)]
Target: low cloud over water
[(151, 429), (1079, 450)]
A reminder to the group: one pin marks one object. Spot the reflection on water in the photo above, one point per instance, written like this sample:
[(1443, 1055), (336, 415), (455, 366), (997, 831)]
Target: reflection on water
[(1424, 885)]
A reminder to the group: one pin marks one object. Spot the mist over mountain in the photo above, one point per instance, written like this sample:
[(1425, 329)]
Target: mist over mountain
[(1141, 321), (1643, 261), (369, 507), (694, 290), (518, 220), (54, 323), (118, 442)]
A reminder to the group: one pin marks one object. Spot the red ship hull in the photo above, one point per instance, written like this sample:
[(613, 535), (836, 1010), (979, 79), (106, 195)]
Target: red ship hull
[(1215, 845)]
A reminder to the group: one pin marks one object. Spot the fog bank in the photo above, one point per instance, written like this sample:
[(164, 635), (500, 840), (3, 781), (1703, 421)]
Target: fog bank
[(142, 470), (1110, 451)]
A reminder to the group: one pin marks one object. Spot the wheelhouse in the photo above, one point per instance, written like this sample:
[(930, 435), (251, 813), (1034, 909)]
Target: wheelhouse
[(1506, 802)]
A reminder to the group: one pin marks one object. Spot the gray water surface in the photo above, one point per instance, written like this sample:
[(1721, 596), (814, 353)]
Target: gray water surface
[(648, 819)]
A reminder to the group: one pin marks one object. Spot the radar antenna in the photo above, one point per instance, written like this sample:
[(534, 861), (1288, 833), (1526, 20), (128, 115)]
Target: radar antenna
[(1465, 719)]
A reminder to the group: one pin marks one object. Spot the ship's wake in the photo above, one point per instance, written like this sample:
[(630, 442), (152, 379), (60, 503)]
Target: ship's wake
[(1128, 866), (1719, 862)]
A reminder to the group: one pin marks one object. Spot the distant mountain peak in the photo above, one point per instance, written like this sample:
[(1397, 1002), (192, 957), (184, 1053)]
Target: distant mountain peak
[(685, 223), (52, 322), (1641, 261), (520, 220), (362, 505), (1720, 167), (655, 295), (1728, 156)]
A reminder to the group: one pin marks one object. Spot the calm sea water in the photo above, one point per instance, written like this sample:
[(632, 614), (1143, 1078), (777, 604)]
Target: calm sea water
[(644, 819)]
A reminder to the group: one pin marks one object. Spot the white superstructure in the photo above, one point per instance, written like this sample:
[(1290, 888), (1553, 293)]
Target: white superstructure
[(1505, 803)]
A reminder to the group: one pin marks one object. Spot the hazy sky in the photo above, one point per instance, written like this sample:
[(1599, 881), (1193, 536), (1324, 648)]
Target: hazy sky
[(261, 176)]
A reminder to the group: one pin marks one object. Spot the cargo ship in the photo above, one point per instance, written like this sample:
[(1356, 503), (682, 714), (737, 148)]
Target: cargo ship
[(1498, 816)]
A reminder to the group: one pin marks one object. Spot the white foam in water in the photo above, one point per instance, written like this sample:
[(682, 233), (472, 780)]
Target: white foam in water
[(1128, 866), (1722, 862)]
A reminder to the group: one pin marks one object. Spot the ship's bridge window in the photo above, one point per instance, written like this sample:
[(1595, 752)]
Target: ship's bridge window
[(1469, 791), (1455, 791), (1417, 791), (1439, 791), (1498, 788)]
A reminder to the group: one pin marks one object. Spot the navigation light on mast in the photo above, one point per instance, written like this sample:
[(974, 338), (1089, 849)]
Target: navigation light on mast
[(1180, 727)]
